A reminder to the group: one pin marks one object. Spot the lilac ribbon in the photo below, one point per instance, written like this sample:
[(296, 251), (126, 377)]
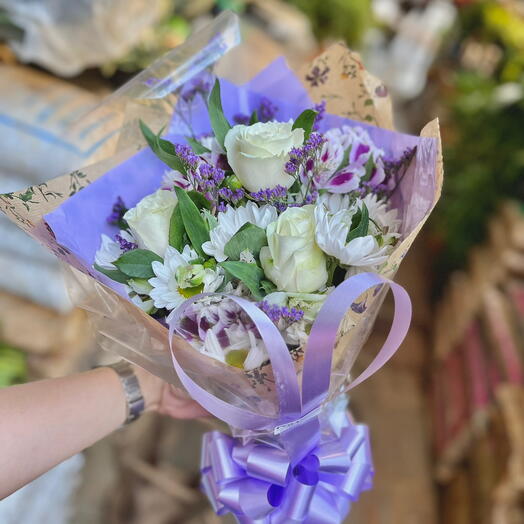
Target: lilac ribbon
[(258, 482), (308, 471)]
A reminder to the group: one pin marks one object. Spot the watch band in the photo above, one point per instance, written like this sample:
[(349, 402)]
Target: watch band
[(133, 393)]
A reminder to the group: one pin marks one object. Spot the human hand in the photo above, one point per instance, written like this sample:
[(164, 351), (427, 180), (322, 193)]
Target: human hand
[(165, 399)]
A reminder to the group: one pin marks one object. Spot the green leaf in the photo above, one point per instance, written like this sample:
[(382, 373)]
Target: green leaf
[(196, 146), (345, 159), (194, 224), (249, 237), (199, 199), (253, 119), (176, 229), (370, 165), (211, 219), (249, 274), (113, 274), (305, 120), (163, 149), (137, 263), (361, 229), (267, 286), (219, 122)]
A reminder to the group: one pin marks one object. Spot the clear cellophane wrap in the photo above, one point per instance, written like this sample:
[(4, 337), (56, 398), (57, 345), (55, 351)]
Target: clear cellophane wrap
[(336, 76)]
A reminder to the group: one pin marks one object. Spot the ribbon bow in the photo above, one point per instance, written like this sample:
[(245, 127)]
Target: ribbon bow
[(259, 483), (310, 470)]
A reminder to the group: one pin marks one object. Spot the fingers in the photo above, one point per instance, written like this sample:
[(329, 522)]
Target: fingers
[(181, 408)]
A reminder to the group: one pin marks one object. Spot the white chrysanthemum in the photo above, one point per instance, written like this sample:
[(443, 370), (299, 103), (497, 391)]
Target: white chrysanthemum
[(370, 250), (167, 292), (335, 202), (146, 305), (110, 250), (384, 220), (231, 220)]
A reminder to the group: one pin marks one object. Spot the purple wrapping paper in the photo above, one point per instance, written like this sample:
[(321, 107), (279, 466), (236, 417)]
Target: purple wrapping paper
[(81, 220)]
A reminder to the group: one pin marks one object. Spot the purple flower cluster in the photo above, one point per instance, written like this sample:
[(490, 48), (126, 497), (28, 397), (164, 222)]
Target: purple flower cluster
[(231, 195), (241, 119), (187, 155), (276, 196), (117, 212), (207, 180), (320, 108), (305, 155), (276, 313), (125, 245), (200, 85), (394, 171), (267, 110)]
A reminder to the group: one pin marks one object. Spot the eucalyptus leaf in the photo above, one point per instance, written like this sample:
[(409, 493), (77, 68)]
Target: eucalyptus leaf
[(249, 274), (361, 229), (219, 122), (163, 149), (199, 199), (197, 147), (137, 263), (249, 236), (211, 219), (113, 274), (267, 286), (176, 229), (253, 119), (345, 159), (305, 120), (370, 165), (195, 226)]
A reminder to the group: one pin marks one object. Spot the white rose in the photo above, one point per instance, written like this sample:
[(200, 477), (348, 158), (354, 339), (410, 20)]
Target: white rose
[(149, 220), (258, 153), (292, 259)]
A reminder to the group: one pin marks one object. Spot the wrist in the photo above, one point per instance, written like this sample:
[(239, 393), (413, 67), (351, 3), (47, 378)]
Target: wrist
[(151, 387)]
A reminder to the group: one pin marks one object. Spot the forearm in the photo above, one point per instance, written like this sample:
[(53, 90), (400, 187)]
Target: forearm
[(43, 423)]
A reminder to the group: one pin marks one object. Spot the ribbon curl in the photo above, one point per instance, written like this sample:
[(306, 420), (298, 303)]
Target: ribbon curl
[(313, 467), (259, 483)]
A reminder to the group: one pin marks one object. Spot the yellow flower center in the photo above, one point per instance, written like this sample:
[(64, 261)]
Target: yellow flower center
[(188, 292), (236, 357)]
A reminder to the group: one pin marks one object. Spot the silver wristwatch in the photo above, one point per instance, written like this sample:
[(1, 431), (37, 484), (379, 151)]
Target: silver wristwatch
[(135, 400)]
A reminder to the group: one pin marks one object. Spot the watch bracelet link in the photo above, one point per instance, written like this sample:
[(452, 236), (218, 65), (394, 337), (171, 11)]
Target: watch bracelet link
[(134, 398)]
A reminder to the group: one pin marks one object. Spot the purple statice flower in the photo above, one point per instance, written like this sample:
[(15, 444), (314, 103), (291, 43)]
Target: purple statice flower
[(188, 157), (241, 119), (302, 162), (231, 195), (393, 172), (125, 245), (117, 213), (277, 313), (276, 196), (320, 108), (200, 85), (267, 110)]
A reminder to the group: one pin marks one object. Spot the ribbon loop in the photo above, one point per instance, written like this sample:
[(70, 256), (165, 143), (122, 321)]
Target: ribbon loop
[(319, 488), (309, 470)]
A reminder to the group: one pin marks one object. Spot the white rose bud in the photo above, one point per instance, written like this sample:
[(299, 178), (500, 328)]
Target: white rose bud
[(292, 259), (258, 153), (149, 220)]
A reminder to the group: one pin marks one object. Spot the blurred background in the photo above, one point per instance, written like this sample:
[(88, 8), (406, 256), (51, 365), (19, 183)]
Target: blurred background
[(447, 414)]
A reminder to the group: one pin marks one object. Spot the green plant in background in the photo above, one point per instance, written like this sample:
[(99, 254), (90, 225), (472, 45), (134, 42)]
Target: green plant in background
[(13, 366), (337, 18), (484, 139)]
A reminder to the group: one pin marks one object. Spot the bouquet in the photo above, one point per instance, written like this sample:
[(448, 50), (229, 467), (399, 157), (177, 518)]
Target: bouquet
[(243, 254)]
